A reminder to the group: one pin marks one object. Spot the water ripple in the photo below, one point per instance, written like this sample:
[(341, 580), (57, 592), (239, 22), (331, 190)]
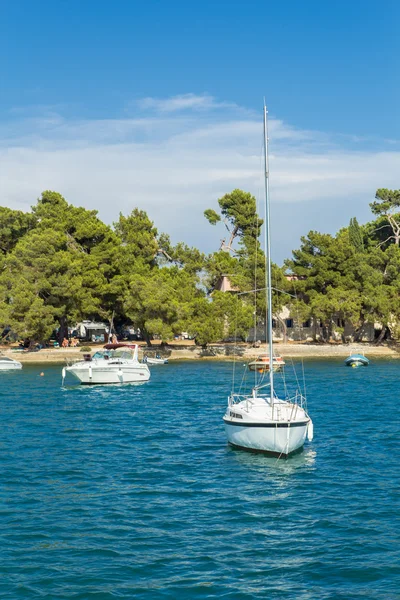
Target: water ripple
[(127, 492)]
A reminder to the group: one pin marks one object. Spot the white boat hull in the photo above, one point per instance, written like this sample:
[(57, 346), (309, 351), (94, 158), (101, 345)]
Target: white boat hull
[(271, 439), (156, 361), (10, 366), (91, 374), (253, 424)]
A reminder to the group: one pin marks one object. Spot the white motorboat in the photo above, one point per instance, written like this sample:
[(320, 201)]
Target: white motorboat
[(155, 360), (261, 421), (9, 364), (116, 363), (261, 363)]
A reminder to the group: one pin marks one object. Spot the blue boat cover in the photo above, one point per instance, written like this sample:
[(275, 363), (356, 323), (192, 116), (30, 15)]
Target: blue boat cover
[(356, 358)]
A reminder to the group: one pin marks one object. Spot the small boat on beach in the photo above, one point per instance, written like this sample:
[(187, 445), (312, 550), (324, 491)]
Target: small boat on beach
[(261, 363), (356, 360), (116, 363), (9, 364)]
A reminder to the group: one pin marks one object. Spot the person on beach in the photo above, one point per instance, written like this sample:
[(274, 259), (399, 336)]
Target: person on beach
[(65, 343)]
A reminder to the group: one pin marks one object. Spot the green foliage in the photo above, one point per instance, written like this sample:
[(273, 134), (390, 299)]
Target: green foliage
[(61, 264), (59, 271), (160, 301), (85, 349), (244, 263), (387, 201), (212, 217), (356, 236), (224, 316), (387, 204), (349, 276), (13, 225), (138, 236), (238, 211)]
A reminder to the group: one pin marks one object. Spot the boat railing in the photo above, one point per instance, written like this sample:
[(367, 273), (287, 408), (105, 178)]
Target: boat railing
[(236, 398), (298, 399)]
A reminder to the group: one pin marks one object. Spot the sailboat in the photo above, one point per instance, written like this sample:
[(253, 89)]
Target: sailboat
[(261, 421)]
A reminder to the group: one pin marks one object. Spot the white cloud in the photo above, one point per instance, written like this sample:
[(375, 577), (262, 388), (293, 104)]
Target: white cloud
[(176, 163), (183, 102)]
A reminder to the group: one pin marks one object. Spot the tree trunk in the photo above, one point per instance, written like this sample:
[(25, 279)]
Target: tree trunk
[(330, 330), (316, 324), (63, 330), (284, 328), (146, 336), (395, 228), (381, 335), (358, 331)]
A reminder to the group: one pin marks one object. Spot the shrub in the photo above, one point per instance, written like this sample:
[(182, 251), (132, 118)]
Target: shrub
[(85, 349)]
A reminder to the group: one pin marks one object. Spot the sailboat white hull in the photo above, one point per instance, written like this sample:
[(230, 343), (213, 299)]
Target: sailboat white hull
[(254, 424), (271, 439)]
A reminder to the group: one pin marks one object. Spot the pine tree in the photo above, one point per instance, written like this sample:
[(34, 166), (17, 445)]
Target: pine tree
[(355, 235)]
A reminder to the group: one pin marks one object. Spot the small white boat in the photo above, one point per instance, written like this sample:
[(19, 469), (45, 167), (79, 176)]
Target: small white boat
[(9, 364), (116, 363), (155, 360), (261, 363)]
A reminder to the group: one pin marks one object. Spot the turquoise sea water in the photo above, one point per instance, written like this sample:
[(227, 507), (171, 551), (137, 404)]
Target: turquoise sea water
[(132, 492)]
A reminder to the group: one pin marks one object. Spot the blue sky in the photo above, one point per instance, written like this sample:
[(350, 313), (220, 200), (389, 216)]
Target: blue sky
[(157, 104)]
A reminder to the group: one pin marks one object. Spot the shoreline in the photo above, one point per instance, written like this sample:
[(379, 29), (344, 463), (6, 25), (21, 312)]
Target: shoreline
[(214, 352)]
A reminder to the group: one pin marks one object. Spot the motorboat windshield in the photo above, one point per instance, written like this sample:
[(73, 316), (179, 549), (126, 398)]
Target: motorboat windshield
[(124, 354)]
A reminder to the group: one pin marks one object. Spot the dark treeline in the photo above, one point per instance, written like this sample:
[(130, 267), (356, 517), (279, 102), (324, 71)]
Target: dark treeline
[(61, 264)]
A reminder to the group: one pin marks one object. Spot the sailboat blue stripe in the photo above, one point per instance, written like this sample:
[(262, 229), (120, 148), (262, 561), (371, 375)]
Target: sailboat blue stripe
[(275, 425)]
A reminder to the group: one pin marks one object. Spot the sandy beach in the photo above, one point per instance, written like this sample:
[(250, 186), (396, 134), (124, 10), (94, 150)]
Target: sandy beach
[(187, 350)]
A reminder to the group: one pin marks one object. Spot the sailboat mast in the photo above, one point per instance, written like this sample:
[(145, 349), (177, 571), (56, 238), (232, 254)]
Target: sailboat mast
[(268, 278)]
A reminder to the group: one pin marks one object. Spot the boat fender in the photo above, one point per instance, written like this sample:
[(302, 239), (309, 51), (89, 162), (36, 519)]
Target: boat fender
[(63, 373), (120, 376), (90, 372), (310, 431)]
